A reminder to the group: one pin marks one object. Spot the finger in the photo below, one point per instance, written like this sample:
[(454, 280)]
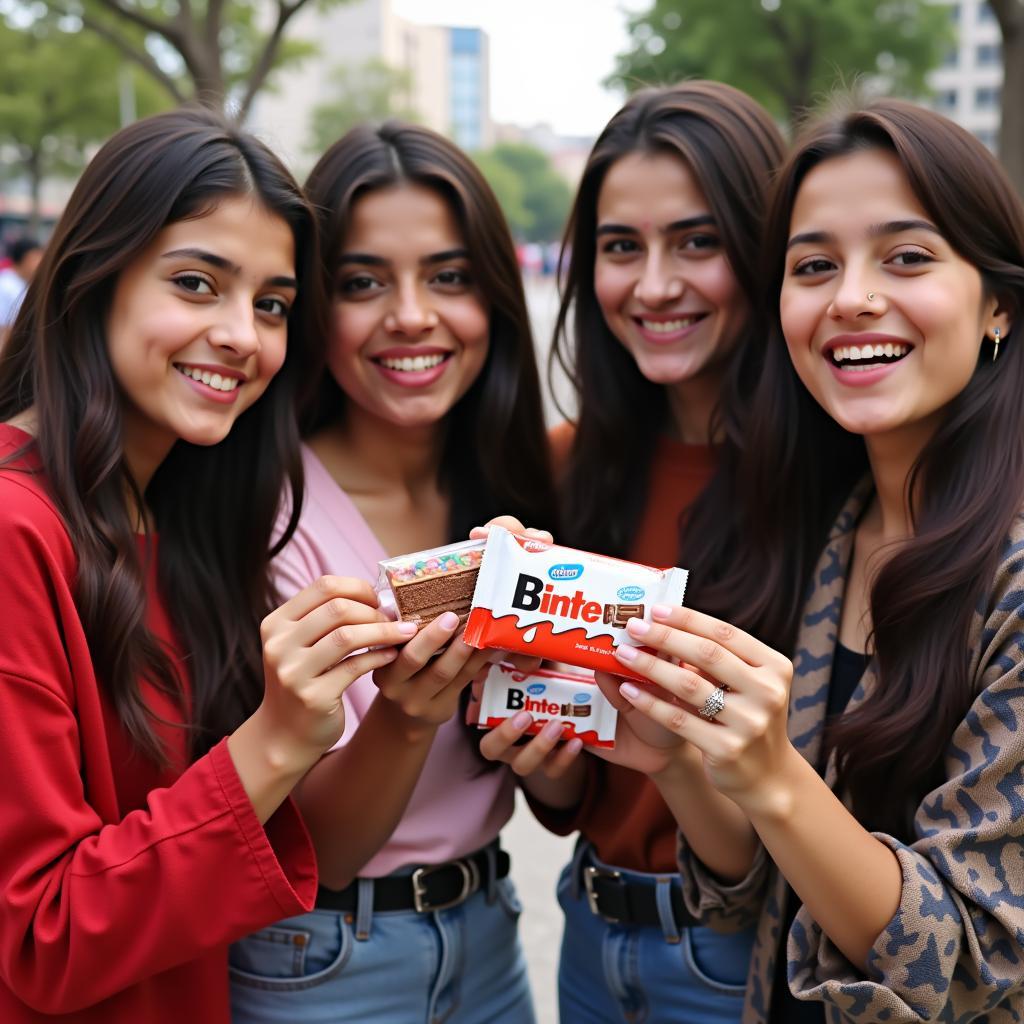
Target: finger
[(710, 656), (346, 640), (674, 680), (324, 589), (419, 650), (531, 756), (710, 738), (330, 685), (513, 525), (338, 612), (522, 662), (744, 646), (609, 687), (499, 743), (563, 758)]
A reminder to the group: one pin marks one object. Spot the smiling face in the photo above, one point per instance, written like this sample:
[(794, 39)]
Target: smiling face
[(661, 275), (198, 327), (411, 332), (883, 318)]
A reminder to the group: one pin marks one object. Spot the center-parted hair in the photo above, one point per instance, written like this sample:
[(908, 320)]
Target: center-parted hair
[(495, 457), (214, 507), (731, 146), (965, 489)]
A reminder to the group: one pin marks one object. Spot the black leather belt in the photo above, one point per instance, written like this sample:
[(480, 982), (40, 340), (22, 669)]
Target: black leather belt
[(619, 901), (429, 888)]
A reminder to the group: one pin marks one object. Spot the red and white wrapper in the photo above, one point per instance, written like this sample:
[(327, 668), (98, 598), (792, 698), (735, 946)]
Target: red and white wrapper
[(571, 699), (561, 604)]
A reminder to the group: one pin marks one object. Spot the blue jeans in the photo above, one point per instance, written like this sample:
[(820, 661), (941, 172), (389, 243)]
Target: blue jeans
[(614, 974), (457, 966)]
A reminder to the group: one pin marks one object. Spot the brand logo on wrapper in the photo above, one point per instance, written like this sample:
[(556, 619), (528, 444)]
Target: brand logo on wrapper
[(630, 593), (565, 572), (581, 698), (536, 689)]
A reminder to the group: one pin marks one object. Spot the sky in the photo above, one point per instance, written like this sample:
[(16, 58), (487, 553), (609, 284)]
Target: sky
[(548, 57)]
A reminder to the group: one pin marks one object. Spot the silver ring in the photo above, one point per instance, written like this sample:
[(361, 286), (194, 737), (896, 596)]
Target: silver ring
[(714, 704)]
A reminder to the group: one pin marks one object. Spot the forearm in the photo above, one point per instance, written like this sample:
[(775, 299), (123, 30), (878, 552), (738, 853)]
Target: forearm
[(354, 798), (717, 831), (850, 883)]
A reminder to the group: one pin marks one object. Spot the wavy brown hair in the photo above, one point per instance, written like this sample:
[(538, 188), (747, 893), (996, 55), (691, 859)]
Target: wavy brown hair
[(214, 507), (731, 146), (966, 487), (495, 457)]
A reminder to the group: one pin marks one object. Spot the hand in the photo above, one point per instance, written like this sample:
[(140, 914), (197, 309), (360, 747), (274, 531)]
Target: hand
[(426, 690), (513, 525), (314, 647), (543, 753), (746, 747)]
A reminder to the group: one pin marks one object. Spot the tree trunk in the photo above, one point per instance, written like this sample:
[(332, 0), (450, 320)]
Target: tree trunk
[(1010, 14), (34, 166)]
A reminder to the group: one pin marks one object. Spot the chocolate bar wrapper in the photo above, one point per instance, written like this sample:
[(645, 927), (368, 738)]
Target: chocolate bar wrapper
[(573, 700), (421, 585), (561, 604)]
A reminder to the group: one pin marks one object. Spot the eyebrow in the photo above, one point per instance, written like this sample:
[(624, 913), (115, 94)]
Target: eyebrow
[(213, 260), (700, 220), (892, 227), (366, 259)]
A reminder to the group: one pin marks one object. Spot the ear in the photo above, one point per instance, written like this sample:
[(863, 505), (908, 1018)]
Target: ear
[(996, 314)]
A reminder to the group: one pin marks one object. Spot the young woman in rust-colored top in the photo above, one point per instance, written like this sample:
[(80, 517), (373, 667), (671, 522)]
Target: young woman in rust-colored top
[(663, 237)]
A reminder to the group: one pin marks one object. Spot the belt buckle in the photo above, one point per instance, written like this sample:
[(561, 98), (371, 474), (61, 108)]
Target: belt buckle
[(590, 875), (470, 884)]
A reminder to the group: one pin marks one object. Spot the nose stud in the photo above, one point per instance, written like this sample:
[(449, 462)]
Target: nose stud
[(871, 296)]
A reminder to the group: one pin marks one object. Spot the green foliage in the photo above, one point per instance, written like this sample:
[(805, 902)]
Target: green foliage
[(372, 91), (59, 94), (534, 197), (788, 54)]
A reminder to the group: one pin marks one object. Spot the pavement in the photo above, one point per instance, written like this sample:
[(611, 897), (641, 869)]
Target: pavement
[(538, 856)]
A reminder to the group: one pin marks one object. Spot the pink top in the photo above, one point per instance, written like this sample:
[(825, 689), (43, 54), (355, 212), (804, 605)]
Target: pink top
[(458, 804)]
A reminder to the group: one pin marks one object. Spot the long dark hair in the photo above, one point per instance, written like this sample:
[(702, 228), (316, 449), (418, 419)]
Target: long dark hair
[(214, 507), (731, 146), (495, 455), (965, 489)]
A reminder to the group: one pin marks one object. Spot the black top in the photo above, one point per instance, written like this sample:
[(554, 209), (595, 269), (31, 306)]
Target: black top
[(847, 668)]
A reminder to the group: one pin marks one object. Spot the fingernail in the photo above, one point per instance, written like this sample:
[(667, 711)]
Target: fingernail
[(390, 654), (522, 719), (575, 745), (624, 652), (408, 628), (661, 611), (553, 729), (638, 627), (629, 691), (449, 620)]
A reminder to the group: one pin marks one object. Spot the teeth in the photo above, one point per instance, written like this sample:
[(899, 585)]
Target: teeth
[(213, 380), (414, 364), (667, 326), (855, 353)]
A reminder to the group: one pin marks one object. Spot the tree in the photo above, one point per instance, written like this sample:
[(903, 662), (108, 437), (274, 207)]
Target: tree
[(57, 97), (1010, 15), (220, 53), (537, 206), (373, 91), (786, 53)]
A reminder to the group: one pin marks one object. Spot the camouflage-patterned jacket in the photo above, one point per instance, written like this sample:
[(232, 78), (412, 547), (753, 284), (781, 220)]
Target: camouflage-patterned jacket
[(954, 952)]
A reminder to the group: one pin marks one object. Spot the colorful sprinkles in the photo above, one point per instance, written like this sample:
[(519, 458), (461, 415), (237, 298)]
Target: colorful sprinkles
[(439, 565)]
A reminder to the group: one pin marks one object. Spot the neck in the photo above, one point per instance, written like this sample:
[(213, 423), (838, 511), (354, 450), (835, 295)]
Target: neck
[(892, 457), (691, 405), (372, 454)]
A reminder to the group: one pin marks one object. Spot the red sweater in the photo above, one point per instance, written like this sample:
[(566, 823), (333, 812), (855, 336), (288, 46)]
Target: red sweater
[(121, 884)]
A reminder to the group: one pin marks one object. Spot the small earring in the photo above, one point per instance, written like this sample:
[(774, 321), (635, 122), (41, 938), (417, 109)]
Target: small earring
[(995, 338), (871, 296)]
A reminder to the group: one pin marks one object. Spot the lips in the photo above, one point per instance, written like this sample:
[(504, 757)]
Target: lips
[(867, 353)]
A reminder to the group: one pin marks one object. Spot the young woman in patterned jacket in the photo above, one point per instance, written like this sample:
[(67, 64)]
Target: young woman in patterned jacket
[(882, 541)]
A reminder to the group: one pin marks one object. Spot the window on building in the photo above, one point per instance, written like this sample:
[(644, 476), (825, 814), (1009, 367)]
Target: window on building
[(985, 13), (987, 54), (988, 137), (945, 99), (952, 58), (987, 97), (954, 12)]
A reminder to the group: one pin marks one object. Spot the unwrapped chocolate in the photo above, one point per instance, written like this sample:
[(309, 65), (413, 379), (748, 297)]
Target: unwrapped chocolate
[(426, 583), (572, 699), (561, 604)]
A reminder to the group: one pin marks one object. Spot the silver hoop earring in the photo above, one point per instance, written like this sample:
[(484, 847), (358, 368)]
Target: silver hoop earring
[(996, 334)]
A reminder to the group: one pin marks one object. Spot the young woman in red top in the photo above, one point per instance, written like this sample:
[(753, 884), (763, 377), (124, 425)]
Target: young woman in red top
[(664, 235), (146, 434)]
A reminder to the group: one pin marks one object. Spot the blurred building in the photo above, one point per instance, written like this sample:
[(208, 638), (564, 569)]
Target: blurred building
[(449, 70), (568, 153), (967, 87)]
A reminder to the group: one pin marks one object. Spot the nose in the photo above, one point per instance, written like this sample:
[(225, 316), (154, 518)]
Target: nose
[(235, 330), (411, 313), (856, 295), (659, 281)]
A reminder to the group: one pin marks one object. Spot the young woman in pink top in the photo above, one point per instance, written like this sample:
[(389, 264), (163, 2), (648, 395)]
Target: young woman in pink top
[(428, 424)]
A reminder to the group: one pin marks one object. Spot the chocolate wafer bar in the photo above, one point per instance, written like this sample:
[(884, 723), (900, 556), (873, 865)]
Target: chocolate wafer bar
[(426, 583), (619, 614)]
